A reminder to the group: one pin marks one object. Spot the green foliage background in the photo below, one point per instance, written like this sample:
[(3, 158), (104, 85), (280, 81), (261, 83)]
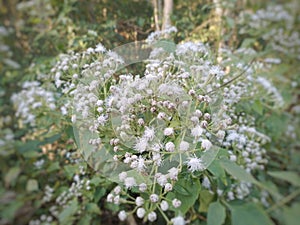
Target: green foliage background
[(39, 30)]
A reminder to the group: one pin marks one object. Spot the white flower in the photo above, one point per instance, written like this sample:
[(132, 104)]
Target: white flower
[(154, 198), (176, 203), (164, 205), (197, 131), (195, 164), (179, 220), (207, 116), (139, 201), (100, 48), (152, 216), (206, 144), (141, 164), (122, 176), (219, 192), (117, 190), (73, 118), (157, 158), (217, 71), (143, 187), (168, 187), (122, 215), (141, 145), (162, 180), (161, 115), (170, 147), (129, 182), (195, 119), (140, 213), (206, 183), (230, 195), (99, 102), (141, 122), (110, 198), (115, 158), (221, 134), (184, 146), (127, 160), (173, 173), (149, 133), (156, 147), (170, 89), (233, 158), (198, 113), (117, 200), (168, 131)]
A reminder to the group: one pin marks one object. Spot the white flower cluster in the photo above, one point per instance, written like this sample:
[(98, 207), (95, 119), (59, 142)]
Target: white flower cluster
[(43, 220), (33, 99), (271, 90), (159, 125), (5, 51), (75, 191), (276, 25), (96, 62), (154, 36), (48, 194)]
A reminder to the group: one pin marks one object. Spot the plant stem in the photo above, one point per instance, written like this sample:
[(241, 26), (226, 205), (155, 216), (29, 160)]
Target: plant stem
[(284, 201)]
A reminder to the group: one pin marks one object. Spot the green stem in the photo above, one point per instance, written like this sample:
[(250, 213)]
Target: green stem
[(284, 201), (164, 215)]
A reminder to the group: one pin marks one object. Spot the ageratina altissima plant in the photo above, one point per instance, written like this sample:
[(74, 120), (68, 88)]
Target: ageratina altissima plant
[(277, 25), (32, 101), (164, 135)]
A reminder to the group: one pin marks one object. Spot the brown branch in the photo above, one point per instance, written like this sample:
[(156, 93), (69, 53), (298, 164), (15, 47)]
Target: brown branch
[(156, 19)]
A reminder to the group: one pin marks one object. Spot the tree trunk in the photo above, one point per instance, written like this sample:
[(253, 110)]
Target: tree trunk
[(168, 8), (156, 14), (218, 16)]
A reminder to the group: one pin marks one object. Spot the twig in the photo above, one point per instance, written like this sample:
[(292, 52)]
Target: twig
[(233, 79), (283, 201), (131, 220)]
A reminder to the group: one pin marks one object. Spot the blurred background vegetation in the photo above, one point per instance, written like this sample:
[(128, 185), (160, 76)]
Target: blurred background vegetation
[(34, 32)]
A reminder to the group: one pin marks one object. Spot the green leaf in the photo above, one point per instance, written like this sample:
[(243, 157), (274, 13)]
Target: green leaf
[(9, 211), (288, 176), (31, 154), (181, 190), (205, 198), (99, 193), (218, 171), (236, 171), (230, 22), (95, 181), (92, 208), (28, 146), (32, 185), (65, 217), (70, 170), (12, 175), (86, 219), (291, 214), (53, 167), (187, 191), (216, 214), (168, 46), (209, 156), (50, 140), (248, 214), (248, 42), (258, 107)]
